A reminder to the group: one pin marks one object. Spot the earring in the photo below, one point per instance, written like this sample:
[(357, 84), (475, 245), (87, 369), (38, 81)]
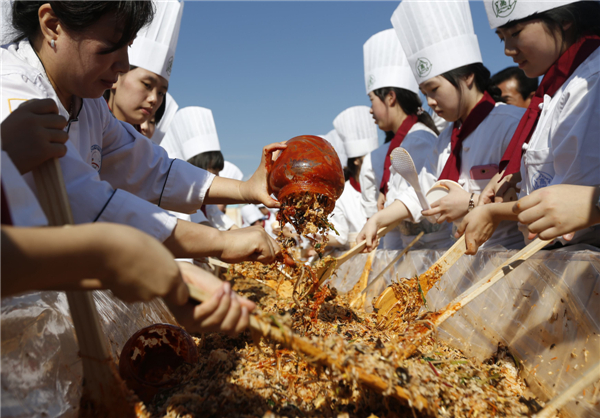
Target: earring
[(53, 44)]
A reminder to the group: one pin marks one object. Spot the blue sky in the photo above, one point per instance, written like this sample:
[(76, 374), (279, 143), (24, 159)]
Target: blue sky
[(273, 70)]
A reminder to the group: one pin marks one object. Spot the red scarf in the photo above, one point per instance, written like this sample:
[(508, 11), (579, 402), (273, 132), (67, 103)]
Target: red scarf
[(408, 123), (481, 110), (554, 78), (355, 184)]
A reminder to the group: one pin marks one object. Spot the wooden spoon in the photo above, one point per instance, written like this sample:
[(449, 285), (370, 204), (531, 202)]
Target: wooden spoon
[(388, 299)]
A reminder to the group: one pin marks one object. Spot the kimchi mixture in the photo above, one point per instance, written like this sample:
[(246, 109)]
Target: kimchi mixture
[(246, 377)]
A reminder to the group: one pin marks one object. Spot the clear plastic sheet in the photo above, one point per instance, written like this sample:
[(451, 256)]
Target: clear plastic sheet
[(547, 311), (41, 368)]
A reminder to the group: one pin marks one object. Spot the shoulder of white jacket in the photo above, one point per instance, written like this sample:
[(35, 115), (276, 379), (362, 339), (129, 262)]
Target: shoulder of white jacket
[(505, 110)]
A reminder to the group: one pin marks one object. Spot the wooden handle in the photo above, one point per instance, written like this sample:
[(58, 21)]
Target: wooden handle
[(284, 336), (102, 385), (551, 409), (440, 267), (361, 245)]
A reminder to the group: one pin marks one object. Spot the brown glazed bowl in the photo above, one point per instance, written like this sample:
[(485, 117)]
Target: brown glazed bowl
[(150, 357), (308, 164)]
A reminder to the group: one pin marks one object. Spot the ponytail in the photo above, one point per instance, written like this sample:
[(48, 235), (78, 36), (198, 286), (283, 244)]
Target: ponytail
[(410, 103), (483, 81)]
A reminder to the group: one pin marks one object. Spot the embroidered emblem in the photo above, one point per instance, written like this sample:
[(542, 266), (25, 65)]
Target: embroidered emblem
[(423, 66), (503, 8), (96, 157), (540, 180), (169, 66), (371, 82)]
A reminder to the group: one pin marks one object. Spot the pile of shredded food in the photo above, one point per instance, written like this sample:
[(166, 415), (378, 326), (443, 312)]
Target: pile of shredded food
[(308, 214), (239, 377)]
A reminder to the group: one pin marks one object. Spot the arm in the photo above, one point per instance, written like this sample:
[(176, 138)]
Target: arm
[(395, 212), (369, 190), (453, 206), (479, 225), (559, 210)]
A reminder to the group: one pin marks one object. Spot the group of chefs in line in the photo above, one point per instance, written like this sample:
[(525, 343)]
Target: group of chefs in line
[(87, 82)]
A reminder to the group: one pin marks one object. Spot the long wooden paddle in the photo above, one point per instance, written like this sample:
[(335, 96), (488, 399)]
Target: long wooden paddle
[(283, 335), (326, 270), (427, 280), (418, 330), (102, 387)]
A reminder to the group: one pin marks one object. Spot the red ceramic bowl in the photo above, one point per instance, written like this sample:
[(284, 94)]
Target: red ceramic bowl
[(150, 357), (308, 164)]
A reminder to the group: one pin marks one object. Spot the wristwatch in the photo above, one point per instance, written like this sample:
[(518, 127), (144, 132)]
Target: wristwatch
[(471, 203)]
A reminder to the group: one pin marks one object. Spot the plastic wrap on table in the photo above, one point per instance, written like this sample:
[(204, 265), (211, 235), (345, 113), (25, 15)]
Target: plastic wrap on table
[(41, 368), (547, 312)]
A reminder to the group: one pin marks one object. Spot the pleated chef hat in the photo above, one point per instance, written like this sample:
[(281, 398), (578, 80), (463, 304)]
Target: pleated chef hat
[(501, 12), (192, 132), (338, 145), (436, 36), (358, 131), (231, 171), (386, 64), (154, 47), (171, 108), (250, 214)]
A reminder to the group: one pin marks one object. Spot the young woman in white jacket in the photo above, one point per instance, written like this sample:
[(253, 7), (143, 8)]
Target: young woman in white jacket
[(70, 52), (557, 140)]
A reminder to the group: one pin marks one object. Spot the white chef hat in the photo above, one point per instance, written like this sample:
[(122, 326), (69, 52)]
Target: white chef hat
[(436, 36), (6, 27), (192, 132), (501, 12), (162, 126), (358, 131), (154, 47), (250, 214), (231, 171), (338, 145), (386, 64)]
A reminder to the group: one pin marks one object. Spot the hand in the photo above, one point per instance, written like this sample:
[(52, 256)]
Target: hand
[(453, 206), (498, 191), (380, 201), (137, 267), (478, 227), (225, 311), (33, 134), (558, 210), (369, 234), (256, 189), (247, 244)]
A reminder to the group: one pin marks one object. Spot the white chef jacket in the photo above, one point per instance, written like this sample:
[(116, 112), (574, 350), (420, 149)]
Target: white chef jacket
[(423, 146), (112, 172), (485, 145), (215, 217), (24, 207), (270, 221), (371, 173), (565, 146), (348, 216)]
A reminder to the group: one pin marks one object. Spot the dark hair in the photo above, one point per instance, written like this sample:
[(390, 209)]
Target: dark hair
[(209, 160), (351, 169), (583, 15), (389, 135), (161, 110), (525, 85), (482, 79), (409, 102), (79, 15)]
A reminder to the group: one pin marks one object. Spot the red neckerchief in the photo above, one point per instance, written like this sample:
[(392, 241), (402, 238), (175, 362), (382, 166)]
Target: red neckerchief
[(355, 184), (481, 110), (395, 143), (5, 214), (555, 77)]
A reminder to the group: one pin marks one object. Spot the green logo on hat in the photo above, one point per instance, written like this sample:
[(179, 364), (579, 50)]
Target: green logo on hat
[(423, 67), (503, 8), (371, 82)]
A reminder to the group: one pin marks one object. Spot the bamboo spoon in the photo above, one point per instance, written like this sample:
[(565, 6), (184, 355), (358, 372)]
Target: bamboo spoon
[(360, 298), (355, 294), (437, 318), (388, 299), (103, 389), (326, 270), (283, 335)]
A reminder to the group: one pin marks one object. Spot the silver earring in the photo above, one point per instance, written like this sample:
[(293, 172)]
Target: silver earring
[(53, 44)]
